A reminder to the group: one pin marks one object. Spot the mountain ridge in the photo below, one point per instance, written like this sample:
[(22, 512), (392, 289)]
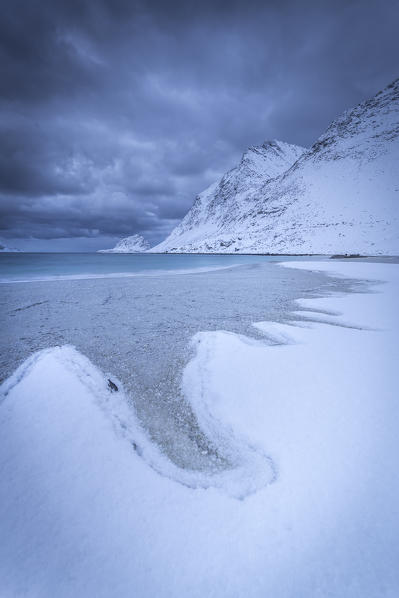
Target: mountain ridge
[(132, 244), (339, 196)]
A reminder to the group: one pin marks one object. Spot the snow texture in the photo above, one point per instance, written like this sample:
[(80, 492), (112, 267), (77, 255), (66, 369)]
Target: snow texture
[(133, 244), (89, 508), (340, 196)]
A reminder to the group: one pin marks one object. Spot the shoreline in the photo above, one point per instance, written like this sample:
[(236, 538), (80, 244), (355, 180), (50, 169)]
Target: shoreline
[(323, 255)]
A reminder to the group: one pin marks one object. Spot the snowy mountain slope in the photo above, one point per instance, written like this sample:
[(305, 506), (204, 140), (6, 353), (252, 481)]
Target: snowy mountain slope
[(133, 244), (340, 196), (221, 205)]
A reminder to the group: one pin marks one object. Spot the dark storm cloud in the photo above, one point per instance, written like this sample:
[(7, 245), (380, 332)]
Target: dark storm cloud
[(114, 114)]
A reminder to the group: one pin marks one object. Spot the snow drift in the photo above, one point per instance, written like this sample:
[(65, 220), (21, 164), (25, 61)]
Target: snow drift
[(88, 507)]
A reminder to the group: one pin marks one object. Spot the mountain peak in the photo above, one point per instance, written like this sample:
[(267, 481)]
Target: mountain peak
[(132, 244), (373, 122), (342, 196), (270, 158), (227, 199)]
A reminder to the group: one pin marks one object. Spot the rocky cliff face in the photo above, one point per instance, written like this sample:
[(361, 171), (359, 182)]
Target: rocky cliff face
[(133, 244), (340, 196)]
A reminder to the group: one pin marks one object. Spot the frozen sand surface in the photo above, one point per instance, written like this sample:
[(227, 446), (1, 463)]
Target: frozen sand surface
[(139, 329), (83, 514)]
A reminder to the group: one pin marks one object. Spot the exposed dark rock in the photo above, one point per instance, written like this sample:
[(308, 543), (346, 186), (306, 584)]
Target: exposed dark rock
[(112, 386)]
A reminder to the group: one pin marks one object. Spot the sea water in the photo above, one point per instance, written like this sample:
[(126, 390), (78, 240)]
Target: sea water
[(25, 267)]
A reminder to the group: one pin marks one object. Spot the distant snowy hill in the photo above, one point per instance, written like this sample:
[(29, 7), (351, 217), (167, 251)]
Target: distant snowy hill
[(133, 244), (340, 196), (5, 249)]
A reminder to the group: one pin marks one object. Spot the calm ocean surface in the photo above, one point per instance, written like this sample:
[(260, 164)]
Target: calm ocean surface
[(25, 267)]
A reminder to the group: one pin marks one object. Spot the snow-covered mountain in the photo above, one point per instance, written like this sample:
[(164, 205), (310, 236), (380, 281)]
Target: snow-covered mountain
[(5, 249), (340, 196), (214, 219), (133, 244)]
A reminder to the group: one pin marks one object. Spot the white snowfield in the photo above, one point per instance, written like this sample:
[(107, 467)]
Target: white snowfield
[(83, 512), (133, 244), (339, 196)]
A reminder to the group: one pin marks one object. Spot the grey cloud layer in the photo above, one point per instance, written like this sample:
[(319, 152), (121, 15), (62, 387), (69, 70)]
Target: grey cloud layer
[(115, 114)]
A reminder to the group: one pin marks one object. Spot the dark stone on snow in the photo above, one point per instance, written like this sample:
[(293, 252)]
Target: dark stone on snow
[(112, 386)]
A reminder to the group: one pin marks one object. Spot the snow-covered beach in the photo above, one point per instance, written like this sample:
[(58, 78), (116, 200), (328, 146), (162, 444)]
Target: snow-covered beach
[(199, 290), (295, 412), (139, 327)]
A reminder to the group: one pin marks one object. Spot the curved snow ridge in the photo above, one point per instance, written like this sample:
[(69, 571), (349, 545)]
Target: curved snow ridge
[(297, 331), (375, 275), (250, 465), (62, 380), (278, 333)]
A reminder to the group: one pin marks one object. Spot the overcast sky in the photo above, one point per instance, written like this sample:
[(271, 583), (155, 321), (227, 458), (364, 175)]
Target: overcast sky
[(116, 113)]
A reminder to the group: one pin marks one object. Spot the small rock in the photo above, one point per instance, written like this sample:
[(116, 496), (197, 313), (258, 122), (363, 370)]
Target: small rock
[(112, 386)]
